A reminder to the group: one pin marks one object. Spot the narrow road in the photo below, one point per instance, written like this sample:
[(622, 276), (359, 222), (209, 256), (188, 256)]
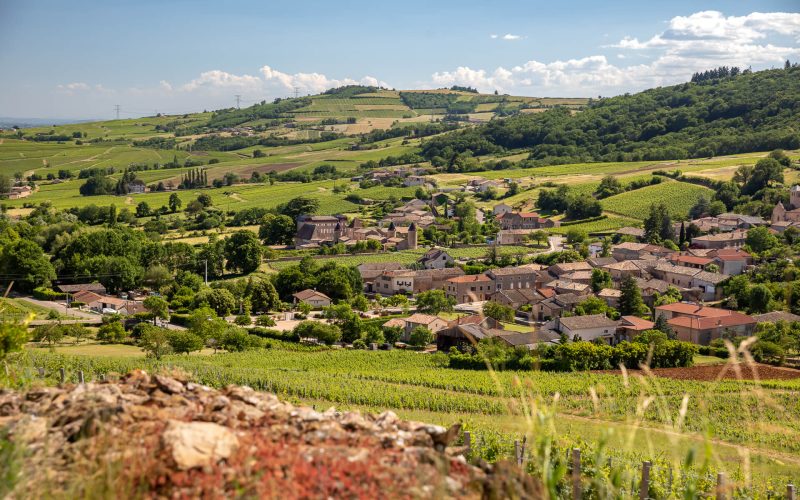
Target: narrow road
[(59, 308)]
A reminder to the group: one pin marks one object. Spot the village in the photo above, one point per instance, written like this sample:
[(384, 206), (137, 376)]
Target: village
[(681, 292)]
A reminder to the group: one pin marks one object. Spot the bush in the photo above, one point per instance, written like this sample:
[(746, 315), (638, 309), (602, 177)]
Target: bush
[(238, 340), (420, 337), (184, 341), (267, 333), (323, 332), (44, 293), (243, 320), (265, 320), (112, 332), (359, 344)]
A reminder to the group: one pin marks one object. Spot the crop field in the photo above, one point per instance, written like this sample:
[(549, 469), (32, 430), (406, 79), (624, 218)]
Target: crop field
[(741, 427), (679, 197), (609, 224), (406, 257)]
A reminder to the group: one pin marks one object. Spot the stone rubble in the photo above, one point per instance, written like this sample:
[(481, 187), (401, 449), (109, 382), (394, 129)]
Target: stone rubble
[(172, 438)]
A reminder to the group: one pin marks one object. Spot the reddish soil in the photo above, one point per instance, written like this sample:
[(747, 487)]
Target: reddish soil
[(725, 371)]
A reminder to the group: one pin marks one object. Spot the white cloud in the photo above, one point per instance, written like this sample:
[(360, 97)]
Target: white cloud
[(311, 83), (74, 86), (691, 43), (165, 85), (507, 36), (216, 79)]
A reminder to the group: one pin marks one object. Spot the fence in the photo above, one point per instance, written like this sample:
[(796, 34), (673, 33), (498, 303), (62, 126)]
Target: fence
[(723, 489)]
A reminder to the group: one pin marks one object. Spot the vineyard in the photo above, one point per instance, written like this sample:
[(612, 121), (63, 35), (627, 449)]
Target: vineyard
[(679, 197), (652, 413)]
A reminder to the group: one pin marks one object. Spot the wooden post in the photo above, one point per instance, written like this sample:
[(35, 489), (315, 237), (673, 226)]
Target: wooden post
[(576, 474), (517, 455), (721, 486), (80, 377), (468, 442), (63, 374), (790, 492), (644, 487)]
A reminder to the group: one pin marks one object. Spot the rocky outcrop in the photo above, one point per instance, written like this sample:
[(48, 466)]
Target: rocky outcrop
[(157, 436)]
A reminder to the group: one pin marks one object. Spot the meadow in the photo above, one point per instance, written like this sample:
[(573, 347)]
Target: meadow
[(748, 429)]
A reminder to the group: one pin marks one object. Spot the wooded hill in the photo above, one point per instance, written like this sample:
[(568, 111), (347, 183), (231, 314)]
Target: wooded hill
[(734, 113)]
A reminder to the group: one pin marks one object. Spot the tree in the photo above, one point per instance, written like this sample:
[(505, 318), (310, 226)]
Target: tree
[(600, 279), (157, 307), (325, 333), (498, 311), (142, 209), (434, 302), (765, 172), (184, 341), (576, 236), (12, 338), (76, 331), (671, 296), (174, 202), (760, 239), (609, 186), (658, 224), (111, 331), (220, 300), (277, 230), (50, 333), (155, 342), (5, 184), (299, 206), (238, 340), (205, 200), (157, 276), (263, 296), (662, 326), (243, 252), (392, 334), (420, 336), (759, 299), (630, 301), (27, 262), (593, 305), (204, 323)]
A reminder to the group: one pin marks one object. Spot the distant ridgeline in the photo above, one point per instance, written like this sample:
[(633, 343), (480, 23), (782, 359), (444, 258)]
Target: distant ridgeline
[(722, 111)]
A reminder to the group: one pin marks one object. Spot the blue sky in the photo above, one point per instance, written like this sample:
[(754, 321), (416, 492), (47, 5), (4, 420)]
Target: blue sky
[(78, 59)]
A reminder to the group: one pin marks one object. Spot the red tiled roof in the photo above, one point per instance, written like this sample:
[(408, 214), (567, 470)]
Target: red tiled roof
[(734, 319), (694, 310), (636, 323), (691, 259), (470, 278)]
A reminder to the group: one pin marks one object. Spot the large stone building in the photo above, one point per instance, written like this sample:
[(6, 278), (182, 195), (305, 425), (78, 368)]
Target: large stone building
[(791, 213), (315, 230)]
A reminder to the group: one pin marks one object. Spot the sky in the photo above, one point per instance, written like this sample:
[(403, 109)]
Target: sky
[(79, 59)]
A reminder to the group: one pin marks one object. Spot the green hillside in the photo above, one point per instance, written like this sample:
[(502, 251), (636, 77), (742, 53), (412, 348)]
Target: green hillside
[(718, 115)]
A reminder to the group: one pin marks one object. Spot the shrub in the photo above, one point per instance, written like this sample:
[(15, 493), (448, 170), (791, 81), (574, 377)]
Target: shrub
[(184, 341), (265, 320), (44, 293), (359, 344), (323, 332), (238, 340)]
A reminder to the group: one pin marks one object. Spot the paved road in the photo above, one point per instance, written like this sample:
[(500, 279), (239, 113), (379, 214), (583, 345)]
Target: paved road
[(59, 308)]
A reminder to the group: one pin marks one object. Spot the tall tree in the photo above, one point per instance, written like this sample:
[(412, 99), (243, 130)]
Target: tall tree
[(630, 300)]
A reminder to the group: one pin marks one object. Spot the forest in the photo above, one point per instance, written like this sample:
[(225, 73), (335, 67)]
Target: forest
[(727, 114)]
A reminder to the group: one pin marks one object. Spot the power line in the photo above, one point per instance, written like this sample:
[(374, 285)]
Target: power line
[(116, 108)]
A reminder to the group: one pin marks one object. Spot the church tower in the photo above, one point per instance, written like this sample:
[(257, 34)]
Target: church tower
[(337, 232), (411, 239), (392, 231), (794, 197)]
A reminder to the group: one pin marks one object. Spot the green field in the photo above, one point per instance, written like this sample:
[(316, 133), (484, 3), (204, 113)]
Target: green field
[(679, 197), (729, 424)]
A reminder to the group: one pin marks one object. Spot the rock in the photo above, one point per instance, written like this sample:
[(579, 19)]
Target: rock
[(196, 444), (168, 385), (30, 428)]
